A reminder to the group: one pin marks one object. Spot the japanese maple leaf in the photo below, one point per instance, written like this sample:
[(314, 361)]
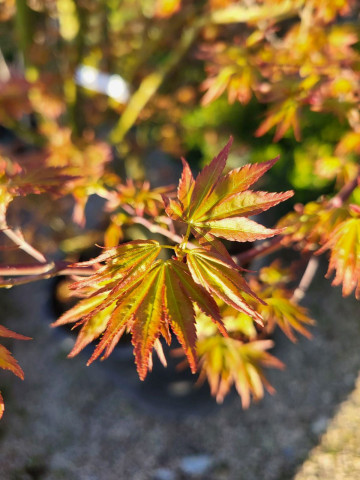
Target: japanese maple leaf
[(284, 116), (282, 311), (7, 361), (227, 361), (344, 244), (135, 293), (29, 174), (218, 277), (220, 205)]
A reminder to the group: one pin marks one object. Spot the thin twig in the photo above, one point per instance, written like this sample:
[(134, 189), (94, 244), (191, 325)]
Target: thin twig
[(18, 270), (306, 279), (60, 268), (344, 193), (32, 273), (20, 241), (260, 250), (157, 229), (152, 227)]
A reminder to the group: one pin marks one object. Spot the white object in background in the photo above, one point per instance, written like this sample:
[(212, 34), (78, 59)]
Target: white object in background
[(113, 86)]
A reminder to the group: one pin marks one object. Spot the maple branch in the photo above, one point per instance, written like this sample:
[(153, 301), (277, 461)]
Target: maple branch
[(306, 279), (19, 270), (20, 241), (150, 226), (260, 250), (345, 192), (157, 229), (33, 273)]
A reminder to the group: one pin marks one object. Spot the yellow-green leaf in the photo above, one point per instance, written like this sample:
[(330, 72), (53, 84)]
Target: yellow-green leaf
[(344, 244), (8, 362), (147, 319), (282, 311), (239, 229), (227, 361), (243, 204), (217, 277), (179, 311), (207, 179)]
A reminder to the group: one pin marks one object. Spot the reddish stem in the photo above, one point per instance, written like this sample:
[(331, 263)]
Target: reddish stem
[(20, 241), (260, 250), (32, 273), (344, 193)]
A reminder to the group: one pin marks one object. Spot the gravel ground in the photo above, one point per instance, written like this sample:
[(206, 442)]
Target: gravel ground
[(338, 455), (67, 421)]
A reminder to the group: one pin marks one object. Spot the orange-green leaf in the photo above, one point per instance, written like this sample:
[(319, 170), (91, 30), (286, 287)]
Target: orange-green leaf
[(213, 273), (219, 205), (148, 318), (82, 308), (227, 361), (173, 208), (179, 311), (289, 316), (118, 321), (160, 297), (126, 265), (5, 332), (198, 295), (283, 115), (92, 329), (207, 179), (211, 243), (186, 186), (236, 181), (240, 229), (311, 224), (243, 204), (241, 179), (32, 176), (344, 244), (8, 362)]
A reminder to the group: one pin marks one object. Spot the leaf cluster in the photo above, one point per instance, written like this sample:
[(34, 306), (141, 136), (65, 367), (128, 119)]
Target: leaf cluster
[(133, 291)]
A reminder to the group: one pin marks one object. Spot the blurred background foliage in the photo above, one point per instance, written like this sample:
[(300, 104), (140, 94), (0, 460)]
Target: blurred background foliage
[(195, 72)]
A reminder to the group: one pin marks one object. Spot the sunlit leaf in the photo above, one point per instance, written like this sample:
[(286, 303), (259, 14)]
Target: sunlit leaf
[(227, 361), (186, 186), (198, 295), (240, 229), (274, 274), (311, 225), (217, 277), (243, 204), (284, 116), (180, 313), (133, 293), (282, 311), (220, 204), (344, 244), (5, 332), (7, 361), (206, 180)]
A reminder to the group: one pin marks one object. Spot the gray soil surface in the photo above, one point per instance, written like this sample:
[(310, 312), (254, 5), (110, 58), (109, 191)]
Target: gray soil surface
[(69, 421)]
